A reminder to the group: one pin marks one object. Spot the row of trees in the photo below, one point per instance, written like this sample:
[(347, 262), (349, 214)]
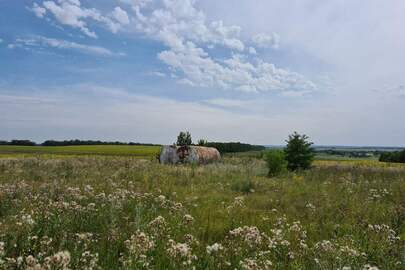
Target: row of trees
[(184, 138), (351, 153), (397, 157), (69, 143), (89, 142), (18, 143), (234, 147)]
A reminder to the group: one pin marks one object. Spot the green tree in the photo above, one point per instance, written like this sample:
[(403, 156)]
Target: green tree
[(298, 153), (184, 138), (276, 162), (202, 142)]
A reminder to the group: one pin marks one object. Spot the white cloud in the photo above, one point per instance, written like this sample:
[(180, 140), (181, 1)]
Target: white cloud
[(157, 74), (72, 13), (39, 11), (229, 103), (24, 100), (39, 41), (186, 31), (120, 15), (116, 20), (233, 73), (266, 41), (1, 40), (173, 21), (136, 3), (252, 51), (185, 81)]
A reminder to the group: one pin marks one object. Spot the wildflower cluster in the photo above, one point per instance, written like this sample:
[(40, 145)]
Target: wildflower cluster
[(122, 213)]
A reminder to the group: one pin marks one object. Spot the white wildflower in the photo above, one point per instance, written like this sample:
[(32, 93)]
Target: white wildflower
[(187, 219), (214, 248)]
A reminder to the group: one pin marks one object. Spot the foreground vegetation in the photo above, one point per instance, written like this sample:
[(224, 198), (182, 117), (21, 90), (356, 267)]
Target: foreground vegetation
[(128, 213)]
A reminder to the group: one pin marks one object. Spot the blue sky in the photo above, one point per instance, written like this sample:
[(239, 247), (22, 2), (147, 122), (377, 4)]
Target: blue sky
[(251, 71)]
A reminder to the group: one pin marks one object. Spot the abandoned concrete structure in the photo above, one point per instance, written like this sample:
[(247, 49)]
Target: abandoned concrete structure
[(172, 154)]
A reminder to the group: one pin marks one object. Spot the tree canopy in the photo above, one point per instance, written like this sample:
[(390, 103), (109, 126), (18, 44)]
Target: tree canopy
[(184, 138)]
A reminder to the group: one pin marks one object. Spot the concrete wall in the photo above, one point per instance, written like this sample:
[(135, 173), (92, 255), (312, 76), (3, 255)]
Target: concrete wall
[(171, 154)]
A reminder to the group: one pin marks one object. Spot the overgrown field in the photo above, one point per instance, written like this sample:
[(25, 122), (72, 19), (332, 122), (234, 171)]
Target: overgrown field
[(114, 150), (128, 213)]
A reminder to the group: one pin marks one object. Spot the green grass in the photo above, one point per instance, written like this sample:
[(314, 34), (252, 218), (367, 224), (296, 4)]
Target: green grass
[(111, 150), (103, 210)]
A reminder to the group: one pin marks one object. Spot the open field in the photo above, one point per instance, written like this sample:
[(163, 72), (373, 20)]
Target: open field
[(114, 150), (97, 212)]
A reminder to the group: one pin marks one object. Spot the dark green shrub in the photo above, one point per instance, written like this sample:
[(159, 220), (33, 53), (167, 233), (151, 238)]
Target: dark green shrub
[(298, 153), (276, 162), (396, 157)]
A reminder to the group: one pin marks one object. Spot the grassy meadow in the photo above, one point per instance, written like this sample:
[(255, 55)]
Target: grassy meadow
[(123, 212)]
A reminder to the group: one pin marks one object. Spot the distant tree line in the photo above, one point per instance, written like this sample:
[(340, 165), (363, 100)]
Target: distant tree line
[(70, 143), (184, 138), (90, 142), (18, 142), (233, 147), (352, 154), (397, 157)]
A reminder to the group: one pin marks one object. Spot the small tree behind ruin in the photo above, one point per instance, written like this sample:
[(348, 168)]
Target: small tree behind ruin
[(184, 138)]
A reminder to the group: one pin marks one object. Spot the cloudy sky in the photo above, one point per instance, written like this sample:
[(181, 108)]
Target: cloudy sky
[(247, 70)]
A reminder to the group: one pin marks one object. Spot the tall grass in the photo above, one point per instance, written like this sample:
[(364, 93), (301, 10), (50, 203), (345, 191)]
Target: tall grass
[(127, 213)]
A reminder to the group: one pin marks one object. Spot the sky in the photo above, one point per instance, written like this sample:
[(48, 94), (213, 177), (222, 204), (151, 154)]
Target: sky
[(250, 70)]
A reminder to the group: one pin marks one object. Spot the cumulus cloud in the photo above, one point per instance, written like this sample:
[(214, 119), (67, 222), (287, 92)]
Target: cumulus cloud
[(252, 50), (39, 41), (266, 41), (186, 31), (187, 34), (136, 3), (39, 11), (173, 21), (120, 16), (72, 13), (234, 73)]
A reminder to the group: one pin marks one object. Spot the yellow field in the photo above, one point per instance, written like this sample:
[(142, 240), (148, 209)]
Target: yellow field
[(111, 150)]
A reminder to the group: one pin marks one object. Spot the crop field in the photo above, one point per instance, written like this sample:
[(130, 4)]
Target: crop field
[(122, 212), (112, 150)]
